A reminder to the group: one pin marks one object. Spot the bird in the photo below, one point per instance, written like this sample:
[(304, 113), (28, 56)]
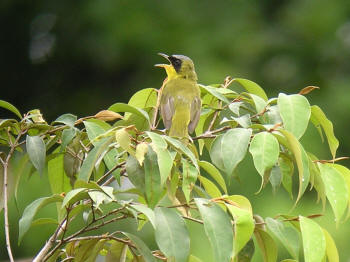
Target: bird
[(180, 102)]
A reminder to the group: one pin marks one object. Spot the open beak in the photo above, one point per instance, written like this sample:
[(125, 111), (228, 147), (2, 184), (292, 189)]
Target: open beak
[(163, 65)]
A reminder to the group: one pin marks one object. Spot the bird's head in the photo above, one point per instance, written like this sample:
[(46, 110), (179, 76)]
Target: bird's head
[(180, 67)]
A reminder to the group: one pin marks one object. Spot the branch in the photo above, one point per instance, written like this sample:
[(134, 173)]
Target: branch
[(211, 133), (110, 172), (5, 164), (332, 160), (45, 254)]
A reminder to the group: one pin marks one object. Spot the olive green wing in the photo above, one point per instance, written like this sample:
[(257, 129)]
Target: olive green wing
[(167, 109), (195, 113)]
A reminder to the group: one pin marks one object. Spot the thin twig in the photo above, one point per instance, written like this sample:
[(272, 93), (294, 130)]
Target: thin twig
[(193, 219), (5, 165), (110, 172), (211, 134), (331, 160)]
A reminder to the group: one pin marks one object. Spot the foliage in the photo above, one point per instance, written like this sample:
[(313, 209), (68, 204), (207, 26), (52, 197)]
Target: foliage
[(130, 170)]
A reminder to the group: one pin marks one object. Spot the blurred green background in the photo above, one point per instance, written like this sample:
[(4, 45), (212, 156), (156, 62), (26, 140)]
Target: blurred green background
[(82, 56)]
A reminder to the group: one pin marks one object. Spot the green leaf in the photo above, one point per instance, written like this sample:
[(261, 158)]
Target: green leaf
[(214, 173), (252, 87), (92, 157), (11, 108), (165, 161), (95, 251), (346, 175), (287, 235), (67, 136), (287, 169), (144, 98), (331, 248), (153, 187), (215, 93), (44, 221), (171, 234), (244, 226), (318, 118), (336, 189), (189, 178), (58, 180), (67, 119), (37, 152), (209, 187), (123, 138), (264, 148), (260, 103), (218, 228), (73, 195), (135, 172), (84, 249), (295, 112), (146, 211), (193, 258), (267, 245), (301, 160), (121, 107), (179, 146), (31, 210), (314, 241), (229, 149), (141, 247)]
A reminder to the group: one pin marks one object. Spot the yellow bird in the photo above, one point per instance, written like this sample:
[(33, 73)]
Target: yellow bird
[(180, 103)]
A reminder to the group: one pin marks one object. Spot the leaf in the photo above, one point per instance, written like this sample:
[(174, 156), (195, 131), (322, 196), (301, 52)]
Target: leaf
[(314, 241), (121, 107), (346, 175), (209, 187), (301, 160), (336, 189), (123, 138), (295, 112), (287, 235), (244, 226), (146, 211), (214, 173), (215, 93), (31, 210), (107, 115), (171, 234), (193, 258), (307, 90), (72, 195), (95, 128), (260, 103), (252, 87), (95, 251), (165, 161), (141, 247), (331, 248), (92, 157), (153, 187), (44, 221), (178, 145), (218, 229), (67, 137), (141, 150), (229, 149), (267, 245), (135, 172), (11, 108), (67, 119), (287, 169), (264, 148), (318, 118), (37, 152), (189, 178), (58, 180)]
